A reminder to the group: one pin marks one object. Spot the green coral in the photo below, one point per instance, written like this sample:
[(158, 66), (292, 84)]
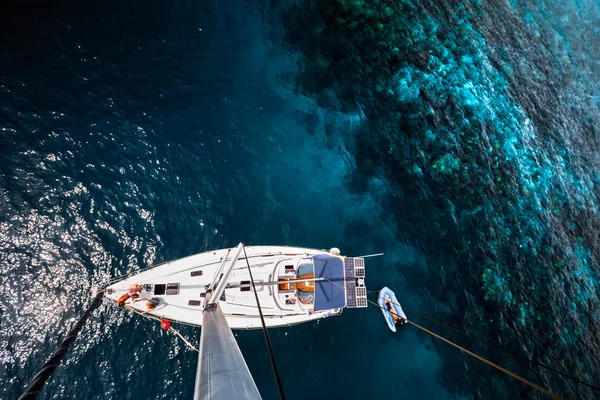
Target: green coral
[(344, 5), (447, 164), (495, 286)]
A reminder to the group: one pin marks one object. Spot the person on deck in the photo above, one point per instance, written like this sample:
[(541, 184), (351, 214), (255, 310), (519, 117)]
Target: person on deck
[(127, 296), (150, 304), (133, 293), (398, 320)]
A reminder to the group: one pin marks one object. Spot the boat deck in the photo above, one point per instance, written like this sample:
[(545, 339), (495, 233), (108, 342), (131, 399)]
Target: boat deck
[(180, 287)]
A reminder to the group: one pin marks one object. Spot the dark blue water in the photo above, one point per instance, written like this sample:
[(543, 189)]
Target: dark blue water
[(459, 139)]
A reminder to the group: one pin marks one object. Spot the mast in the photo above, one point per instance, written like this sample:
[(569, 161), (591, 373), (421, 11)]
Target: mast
[(222, 372), (223, 280)]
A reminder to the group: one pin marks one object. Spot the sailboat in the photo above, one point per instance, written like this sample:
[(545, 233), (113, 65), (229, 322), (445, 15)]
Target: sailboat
[(220, 290), (270, 286), (293, 284)]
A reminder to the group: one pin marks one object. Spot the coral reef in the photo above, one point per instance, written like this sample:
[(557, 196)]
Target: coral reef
[(501, 180)]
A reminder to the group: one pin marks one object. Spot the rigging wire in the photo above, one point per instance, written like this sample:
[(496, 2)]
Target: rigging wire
[(525, 381), (171, 329), (370, 255), (266, 333), (135, 272)]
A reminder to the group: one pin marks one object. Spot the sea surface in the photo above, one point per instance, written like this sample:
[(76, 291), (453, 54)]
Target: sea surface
[(461, 139)]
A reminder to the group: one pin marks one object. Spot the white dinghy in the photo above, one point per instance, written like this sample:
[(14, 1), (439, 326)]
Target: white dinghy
[(294, 285)]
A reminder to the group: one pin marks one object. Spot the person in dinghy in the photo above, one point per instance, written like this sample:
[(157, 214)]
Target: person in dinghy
[(398, 320)]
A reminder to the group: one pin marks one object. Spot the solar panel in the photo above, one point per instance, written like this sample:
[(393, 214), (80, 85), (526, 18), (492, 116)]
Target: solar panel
[(359, 267), (350, 294), (361, 291), (349, 268), (356, 292)]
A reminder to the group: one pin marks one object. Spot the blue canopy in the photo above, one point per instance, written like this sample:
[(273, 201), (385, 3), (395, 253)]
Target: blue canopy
[(328, 294)]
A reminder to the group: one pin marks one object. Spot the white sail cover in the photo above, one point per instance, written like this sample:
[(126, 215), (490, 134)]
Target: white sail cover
[(222, 371)]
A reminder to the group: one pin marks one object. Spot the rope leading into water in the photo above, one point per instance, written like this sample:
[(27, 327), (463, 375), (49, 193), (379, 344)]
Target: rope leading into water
[(39, 380), (507, 351), (525, 381), (504, 349), (266, 333)]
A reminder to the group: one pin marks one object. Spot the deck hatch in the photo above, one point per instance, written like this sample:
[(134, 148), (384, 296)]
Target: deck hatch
[(159, 289), (172, 288), (245, 288)]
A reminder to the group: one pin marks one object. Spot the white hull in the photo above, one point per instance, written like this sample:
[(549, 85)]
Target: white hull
[(184, 302)]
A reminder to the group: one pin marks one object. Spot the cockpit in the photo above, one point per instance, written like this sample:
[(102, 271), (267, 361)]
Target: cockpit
[(301, 286), (305, 291)]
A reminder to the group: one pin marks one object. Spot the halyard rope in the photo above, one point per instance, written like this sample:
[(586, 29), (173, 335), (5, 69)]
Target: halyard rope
[(266, 333)]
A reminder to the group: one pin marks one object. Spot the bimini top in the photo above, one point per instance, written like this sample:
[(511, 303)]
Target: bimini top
[(329, 293)]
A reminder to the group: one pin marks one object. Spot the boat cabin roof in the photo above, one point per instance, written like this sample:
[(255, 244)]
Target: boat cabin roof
[(329, 293)]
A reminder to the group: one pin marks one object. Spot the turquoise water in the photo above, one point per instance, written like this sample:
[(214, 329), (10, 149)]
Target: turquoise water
[(134, 134)]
